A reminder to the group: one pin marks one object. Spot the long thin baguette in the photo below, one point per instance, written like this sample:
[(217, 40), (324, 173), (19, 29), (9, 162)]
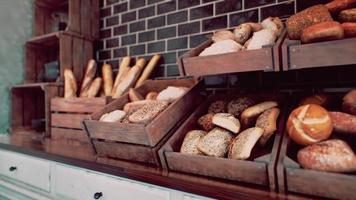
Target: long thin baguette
[(88, 78), (124, 67), (141, 62), (121, 78), (70, 85), (148, 70), (107, 78), (128, 81), (94, 87)]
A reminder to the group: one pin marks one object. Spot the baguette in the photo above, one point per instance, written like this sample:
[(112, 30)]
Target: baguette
[(148, 70), (151, 96), (148, 112), (141, 62), (324, 31), (343, 122), (133, 106), (124, 67), (226, 121), (134, 95), (215, 143), (349, 29), (348, 15), (190, 142), (338, 5), (128, 81), (241, 146), (88, 78), (250, 114), (94, 88), (268, 122), (107, 79), (70, 85)]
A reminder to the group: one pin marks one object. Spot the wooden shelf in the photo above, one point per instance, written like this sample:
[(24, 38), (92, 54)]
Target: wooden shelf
[(52, 3), (45, 39), (34, 85)]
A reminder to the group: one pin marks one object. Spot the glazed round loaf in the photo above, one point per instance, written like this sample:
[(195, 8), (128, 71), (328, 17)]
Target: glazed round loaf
[(349, 29), (324, 31)]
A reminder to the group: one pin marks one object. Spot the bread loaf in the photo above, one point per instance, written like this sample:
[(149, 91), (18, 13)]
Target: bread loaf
[(331, 155), (220, 47), (249, 115), (242, 33), (123, 70), (190, 142), (170, 94), (348, 15), (215, 143), (349, 102), (255, 26), (128, 81), (107, 79), (309, 124), (310, 16), (148, 70), (262, 38), (223, 35), (242, 145), (217, 107), (114, 116), (88, 78), (148, 112), (274, 24), (227, 121), (152, 96), (206, 122), (349, 29), (324, 31), (318, 99), (94, 88), (134, 106), (70, 85), (343, 122), (134, 95), (268, 122), (338, 5), (238, 105)]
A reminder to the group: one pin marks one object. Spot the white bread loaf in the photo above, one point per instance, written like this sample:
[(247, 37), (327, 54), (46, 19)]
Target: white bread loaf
[(190, 142), (262, 38), (225, 46), (114, 116), (242, 145), (88, 78), (170, 94), (227, 121), (250, 114), (222, 35), (274, 24)]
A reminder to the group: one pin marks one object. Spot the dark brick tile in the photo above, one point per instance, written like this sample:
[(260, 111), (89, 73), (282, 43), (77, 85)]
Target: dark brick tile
[(113, 63), (303, 4), (208, 1), (172, 70), (101, 3), (189, 28), (178, 43), (111, 21), (122, 7), (159, 71), (281, 10), (215, 23), (146, 12), (187, 3), (99, 45), (169, 57), (137, 3), (166, 32), (131, 16), (109, 2), (112, 43), (201, 12), (254, 3), (120, 30), (156, 22), (101, 24), (146, 36), (166, 7), (104, 55), (228, 6), (128, 39), (180, 53), (154, 1), (156, 47), (105, 12), (105, 33), (137, 50), (177, 17), (137, 26), (196, 40), (242, 17), (120, 52)]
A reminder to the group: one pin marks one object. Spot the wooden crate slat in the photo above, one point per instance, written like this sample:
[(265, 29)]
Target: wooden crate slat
[(68, 120), (50, 92), (29, 110), (95, 18), (78, 105), (74, 16), (30, 64), (85, 21), (16, 108), (69, 134), (39, 21), (65, 53)]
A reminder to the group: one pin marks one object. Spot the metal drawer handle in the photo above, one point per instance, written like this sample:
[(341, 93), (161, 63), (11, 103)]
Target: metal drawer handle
[(12, 168), (97, 195)]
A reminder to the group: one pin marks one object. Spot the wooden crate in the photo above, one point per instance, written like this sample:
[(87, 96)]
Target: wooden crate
[(322, 54), (67, 116), (137, 142), (258, 169), (265, 59), (70, 50), (293, 179), (30, 108), (83, 17)]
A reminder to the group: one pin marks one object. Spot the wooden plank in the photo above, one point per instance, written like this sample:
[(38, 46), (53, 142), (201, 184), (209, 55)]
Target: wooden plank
[(95, 19), (114, 105), (41, 57), (85, 21), (48, 21), (65, 53), (68, 120), (39, 20), (78, 105), (16, 108), (69, 134), (29, 106), (50, 92), (74, 16), (30, 64), (78, 65)]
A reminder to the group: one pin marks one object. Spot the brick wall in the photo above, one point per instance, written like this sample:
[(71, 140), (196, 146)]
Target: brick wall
[(141, 28)]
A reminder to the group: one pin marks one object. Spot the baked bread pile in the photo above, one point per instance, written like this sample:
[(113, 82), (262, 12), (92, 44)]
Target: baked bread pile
[(142, 110), (231, 129), (333, 21), (127, 77), (312, 125), (246, 36)]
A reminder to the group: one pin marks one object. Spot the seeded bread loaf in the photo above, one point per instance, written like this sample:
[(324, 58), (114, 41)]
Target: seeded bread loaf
[(243, 144), (238, 105), (217, 107), (242, 33), (249, 115), (148, 112), (215, 143), (206, 122), (133, 106), (268, 122), (227, 121), (190, 142)]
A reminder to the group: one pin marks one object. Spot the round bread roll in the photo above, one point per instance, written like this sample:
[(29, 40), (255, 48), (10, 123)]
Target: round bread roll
[(242, 33), (262, 38), (151, 96), (237, 106), (190, 142), (223, 35), (274, 24), (170, 94), (309, 124), (217, 107), (206, 122), (348, 15)]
